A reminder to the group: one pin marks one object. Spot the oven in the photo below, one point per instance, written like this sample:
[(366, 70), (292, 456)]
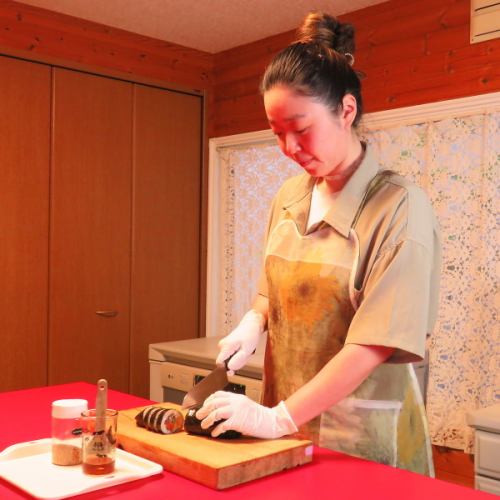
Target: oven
[(174, 367)]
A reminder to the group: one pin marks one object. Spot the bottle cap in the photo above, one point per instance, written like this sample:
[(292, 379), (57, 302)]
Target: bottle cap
[(68, 408)]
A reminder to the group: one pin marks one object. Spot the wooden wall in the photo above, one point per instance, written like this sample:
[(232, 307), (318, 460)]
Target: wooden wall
[(412, 52), (40, 33)]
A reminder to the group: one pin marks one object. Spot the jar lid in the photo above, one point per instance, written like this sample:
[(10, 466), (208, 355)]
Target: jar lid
[(68, 408)]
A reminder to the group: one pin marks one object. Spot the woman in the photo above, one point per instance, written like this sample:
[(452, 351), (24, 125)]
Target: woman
[(351, 274)]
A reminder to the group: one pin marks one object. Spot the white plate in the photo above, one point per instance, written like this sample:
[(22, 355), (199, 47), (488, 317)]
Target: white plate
[(29, 467)]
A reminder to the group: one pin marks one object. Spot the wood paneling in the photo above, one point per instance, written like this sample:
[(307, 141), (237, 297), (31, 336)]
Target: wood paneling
[(40, 32), (453, 466), (166, 224), (411, 52), (24, 222), (90, 229)]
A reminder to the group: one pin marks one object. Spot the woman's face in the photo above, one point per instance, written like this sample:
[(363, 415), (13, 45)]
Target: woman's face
[(308, 132)]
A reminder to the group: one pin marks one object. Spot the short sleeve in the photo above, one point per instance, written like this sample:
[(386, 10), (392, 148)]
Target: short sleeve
[(396, 302)]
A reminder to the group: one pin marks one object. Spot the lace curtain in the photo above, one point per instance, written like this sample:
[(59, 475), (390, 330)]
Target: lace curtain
[(455, 159)]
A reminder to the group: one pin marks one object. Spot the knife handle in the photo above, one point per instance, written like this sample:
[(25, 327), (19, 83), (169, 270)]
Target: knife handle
[(226, 361)]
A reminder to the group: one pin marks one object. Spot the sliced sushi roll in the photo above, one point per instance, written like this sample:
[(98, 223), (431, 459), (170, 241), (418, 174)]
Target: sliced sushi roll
[(156, 419), (150, 418), (140, 417), (147, 412), (161, 420), (171, 421)]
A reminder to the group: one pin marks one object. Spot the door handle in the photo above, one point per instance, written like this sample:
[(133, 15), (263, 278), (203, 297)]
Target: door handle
[(107, 314)]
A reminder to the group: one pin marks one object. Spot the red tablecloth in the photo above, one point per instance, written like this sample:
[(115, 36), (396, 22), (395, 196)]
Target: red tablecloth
[(25, 415)]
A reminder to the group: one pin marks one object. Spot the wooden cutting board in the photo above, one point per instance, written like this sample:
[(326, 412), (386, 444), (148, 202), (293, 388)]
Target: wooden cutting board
[(216, 463)]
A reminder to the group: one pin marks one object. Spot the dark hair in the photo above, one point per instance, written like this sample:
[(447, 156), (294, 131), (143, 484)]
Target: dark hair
[(318, 64)]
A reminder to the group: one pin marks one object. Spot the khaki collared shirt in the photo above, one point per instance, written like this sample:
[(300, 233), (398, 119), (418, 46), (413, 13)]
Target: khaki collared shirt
[(395, 279)]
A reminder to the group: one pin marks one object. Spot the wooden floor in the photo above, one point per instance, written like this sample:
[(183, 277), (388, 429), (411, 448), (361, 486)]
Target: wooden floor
[(453, 466)]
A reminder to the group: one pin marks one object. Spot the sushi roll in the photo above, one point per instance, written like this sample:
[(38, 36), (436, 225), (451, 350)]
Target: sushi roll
[(160, 420), (192, 425), (171, 421), (151, 416), (139, 418)]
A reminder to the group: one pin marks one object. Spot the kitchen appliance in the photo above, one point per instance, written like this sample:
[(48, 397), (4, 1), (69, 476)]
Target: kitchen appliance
[(486, 422), (176, 366)]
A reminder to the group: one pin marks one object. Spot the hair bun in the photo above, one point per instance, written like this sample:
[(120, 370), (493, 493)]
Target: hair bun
[(324, 29)]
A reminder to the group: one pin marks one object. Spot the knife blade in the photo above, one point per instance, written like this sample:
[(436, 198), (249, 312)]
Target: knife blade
[(216, 380)]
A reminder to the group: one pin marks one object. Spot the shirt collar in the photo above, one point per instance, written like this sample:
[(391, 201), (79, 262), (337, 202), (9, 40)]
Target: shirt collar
[(345, 206)]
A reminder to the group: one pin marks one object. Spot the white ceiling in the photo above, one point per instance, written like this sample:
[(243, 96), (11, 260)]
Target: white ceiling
[(208, 25)]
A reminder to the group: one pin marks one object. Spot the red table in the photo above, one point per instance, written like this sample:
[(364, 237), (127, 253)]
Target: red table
[(25, 415)]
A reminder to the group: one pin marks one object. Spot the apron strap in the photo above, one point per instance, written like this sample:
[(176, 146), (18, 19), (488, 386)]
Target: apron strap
[(372, 188), (354, 281)]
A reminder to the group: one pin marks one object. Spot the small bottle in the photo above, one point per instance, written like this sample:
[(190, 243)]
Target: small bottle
[(67, 430)]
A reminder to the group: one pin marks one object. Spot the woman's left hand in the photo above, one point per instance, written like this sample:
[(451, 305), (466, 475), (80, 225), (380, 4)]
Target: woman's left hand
[(245, 415)]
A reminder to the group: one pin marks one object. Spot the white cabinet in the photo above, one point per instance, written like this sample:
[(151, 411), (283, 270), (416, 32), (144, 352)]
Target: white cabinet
[(486, 422)]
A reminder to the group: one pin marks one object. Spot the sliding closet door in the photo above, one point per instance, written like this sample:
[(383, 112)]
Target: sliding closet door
[(166, 223), (90, 229), (24, 214)]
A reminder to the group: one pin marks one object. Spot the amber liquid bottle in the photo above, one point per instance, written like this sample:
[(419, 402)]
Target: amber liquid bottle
[(98, 465)]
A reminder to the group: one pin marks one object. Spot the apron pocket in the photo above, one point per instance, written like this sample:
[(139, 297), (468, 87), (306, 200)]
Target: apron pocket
[(363, 428)]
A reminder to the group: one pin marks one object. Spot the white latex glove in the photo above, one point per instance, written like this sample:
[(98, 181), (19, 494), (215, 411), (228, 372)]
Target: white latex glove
[(245, 415), (242, 340)]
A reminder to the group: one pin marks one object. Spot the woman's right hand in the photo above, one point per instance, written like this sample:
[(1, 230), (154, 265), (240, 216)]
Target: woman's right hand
[(242, 341)]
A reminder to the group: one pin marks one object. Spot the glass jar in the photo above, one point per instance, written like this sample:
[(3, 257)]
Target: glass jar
[(67, 430)]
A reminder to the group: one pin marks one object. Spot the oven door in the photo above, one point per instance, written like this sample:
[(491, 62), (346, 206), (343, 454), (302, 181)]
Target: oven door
[(170, 382)]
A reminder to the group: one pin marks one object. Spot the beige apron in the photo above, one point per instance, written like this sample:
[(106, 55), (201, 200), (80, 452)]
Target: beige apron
[(311, 305)]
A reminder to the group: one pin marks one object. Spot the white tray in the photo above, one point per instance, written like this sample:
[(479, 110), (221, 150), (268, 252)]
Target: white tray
[(29, 467)]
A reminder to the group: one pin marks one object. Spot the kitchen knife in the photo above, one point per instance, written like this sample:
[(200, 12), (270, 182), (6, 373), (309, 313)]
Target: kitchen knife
[(216, 380)]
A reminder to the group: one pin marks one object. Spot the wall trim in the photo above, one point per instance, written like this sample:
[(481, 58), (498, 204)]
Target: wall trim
[(103, 71), (409, 115), (423, 113)]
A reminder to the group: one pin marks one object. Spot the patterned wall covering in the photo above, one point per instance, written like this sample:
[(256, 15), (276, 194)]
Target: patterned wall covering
[(456, 160)]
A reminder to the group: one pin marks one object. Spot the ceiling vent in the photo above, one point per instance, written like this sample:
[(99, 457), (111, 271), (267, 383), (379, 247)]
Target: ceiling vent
[(484, 20)]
